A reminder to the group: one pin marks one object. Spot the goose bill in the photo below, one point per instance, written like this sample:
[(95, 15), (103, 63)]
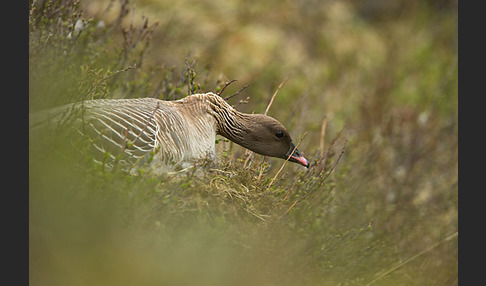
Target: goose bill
[(296, 156)]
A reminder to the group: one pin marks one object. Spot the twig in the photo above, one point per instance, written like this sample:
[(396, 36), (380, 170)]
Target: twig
[(261, 168), (190, 76), (110, 5), (118, 71), (322, 159), (322, 180), (335, 162), (248, 154), (323, 133), (225, 86), (125, 140), (238, 92), (266, 111), (289, 191), (242, 101), (273, 96), (450, 237), (286, 160), (290, 207)]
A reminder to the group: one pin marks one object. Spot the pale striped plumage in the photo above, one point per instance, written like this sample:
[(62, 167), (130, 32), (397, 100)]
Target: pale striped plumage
[(169, 132)]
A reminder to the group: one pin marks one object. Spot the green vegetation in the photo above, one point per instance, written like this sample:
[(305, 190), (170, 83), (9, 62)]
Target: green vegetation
[(381, 81)]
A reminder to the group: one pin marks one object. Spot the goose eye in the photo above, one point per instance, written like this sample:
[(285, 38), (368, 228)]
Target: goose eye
[(279, 134)]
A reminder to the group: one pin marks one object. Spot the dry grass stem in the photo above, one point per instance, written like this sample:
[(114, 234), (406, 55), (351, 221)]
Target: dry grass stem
[(238, 92), (323, 133), (118, 71), (287, 211), (225, 86), (262, 165), (428, 249), (266, 112), (335, 162), (273, 96), (284, 163), (248, 156)]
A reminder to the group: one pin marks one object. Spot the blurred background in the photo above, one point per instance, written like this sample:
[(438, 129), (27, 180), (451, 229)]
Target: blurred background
[(381, 76)]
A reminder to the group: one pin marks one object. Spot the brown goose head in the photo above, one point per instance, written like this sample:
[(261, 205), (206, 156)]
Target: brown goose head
[(265, 135), (259, 133)]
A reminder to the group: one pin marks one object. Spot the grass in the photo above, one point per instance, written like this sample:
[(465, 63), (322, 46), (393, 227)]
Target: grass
[(380, 85)]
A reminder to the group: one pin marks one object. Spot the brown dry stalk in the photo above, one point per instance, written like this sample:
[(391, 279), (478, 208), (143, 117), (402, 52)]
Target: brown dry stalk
[(248, 155), (290, 190), (323, 133), (291, 207), (225, 86), (266, 111), (273, 96), (321, 181), (335, 162), (117, 72), (283, 165), (450, 237), (261, 168), (238, 92)]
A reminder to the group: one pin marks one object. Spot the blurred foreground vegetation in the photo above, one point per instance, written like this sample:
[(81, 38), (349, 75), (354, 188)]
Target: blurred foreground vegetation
[(375, 79)]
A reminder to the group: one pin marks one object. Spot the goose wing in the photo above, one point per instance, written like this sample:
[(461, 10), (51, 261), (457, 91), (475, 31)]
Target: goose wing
[(128, 131)]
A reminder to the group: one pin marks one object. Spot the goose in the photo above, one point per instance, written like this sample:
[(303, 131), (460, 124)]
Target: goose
[(173, 132)]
